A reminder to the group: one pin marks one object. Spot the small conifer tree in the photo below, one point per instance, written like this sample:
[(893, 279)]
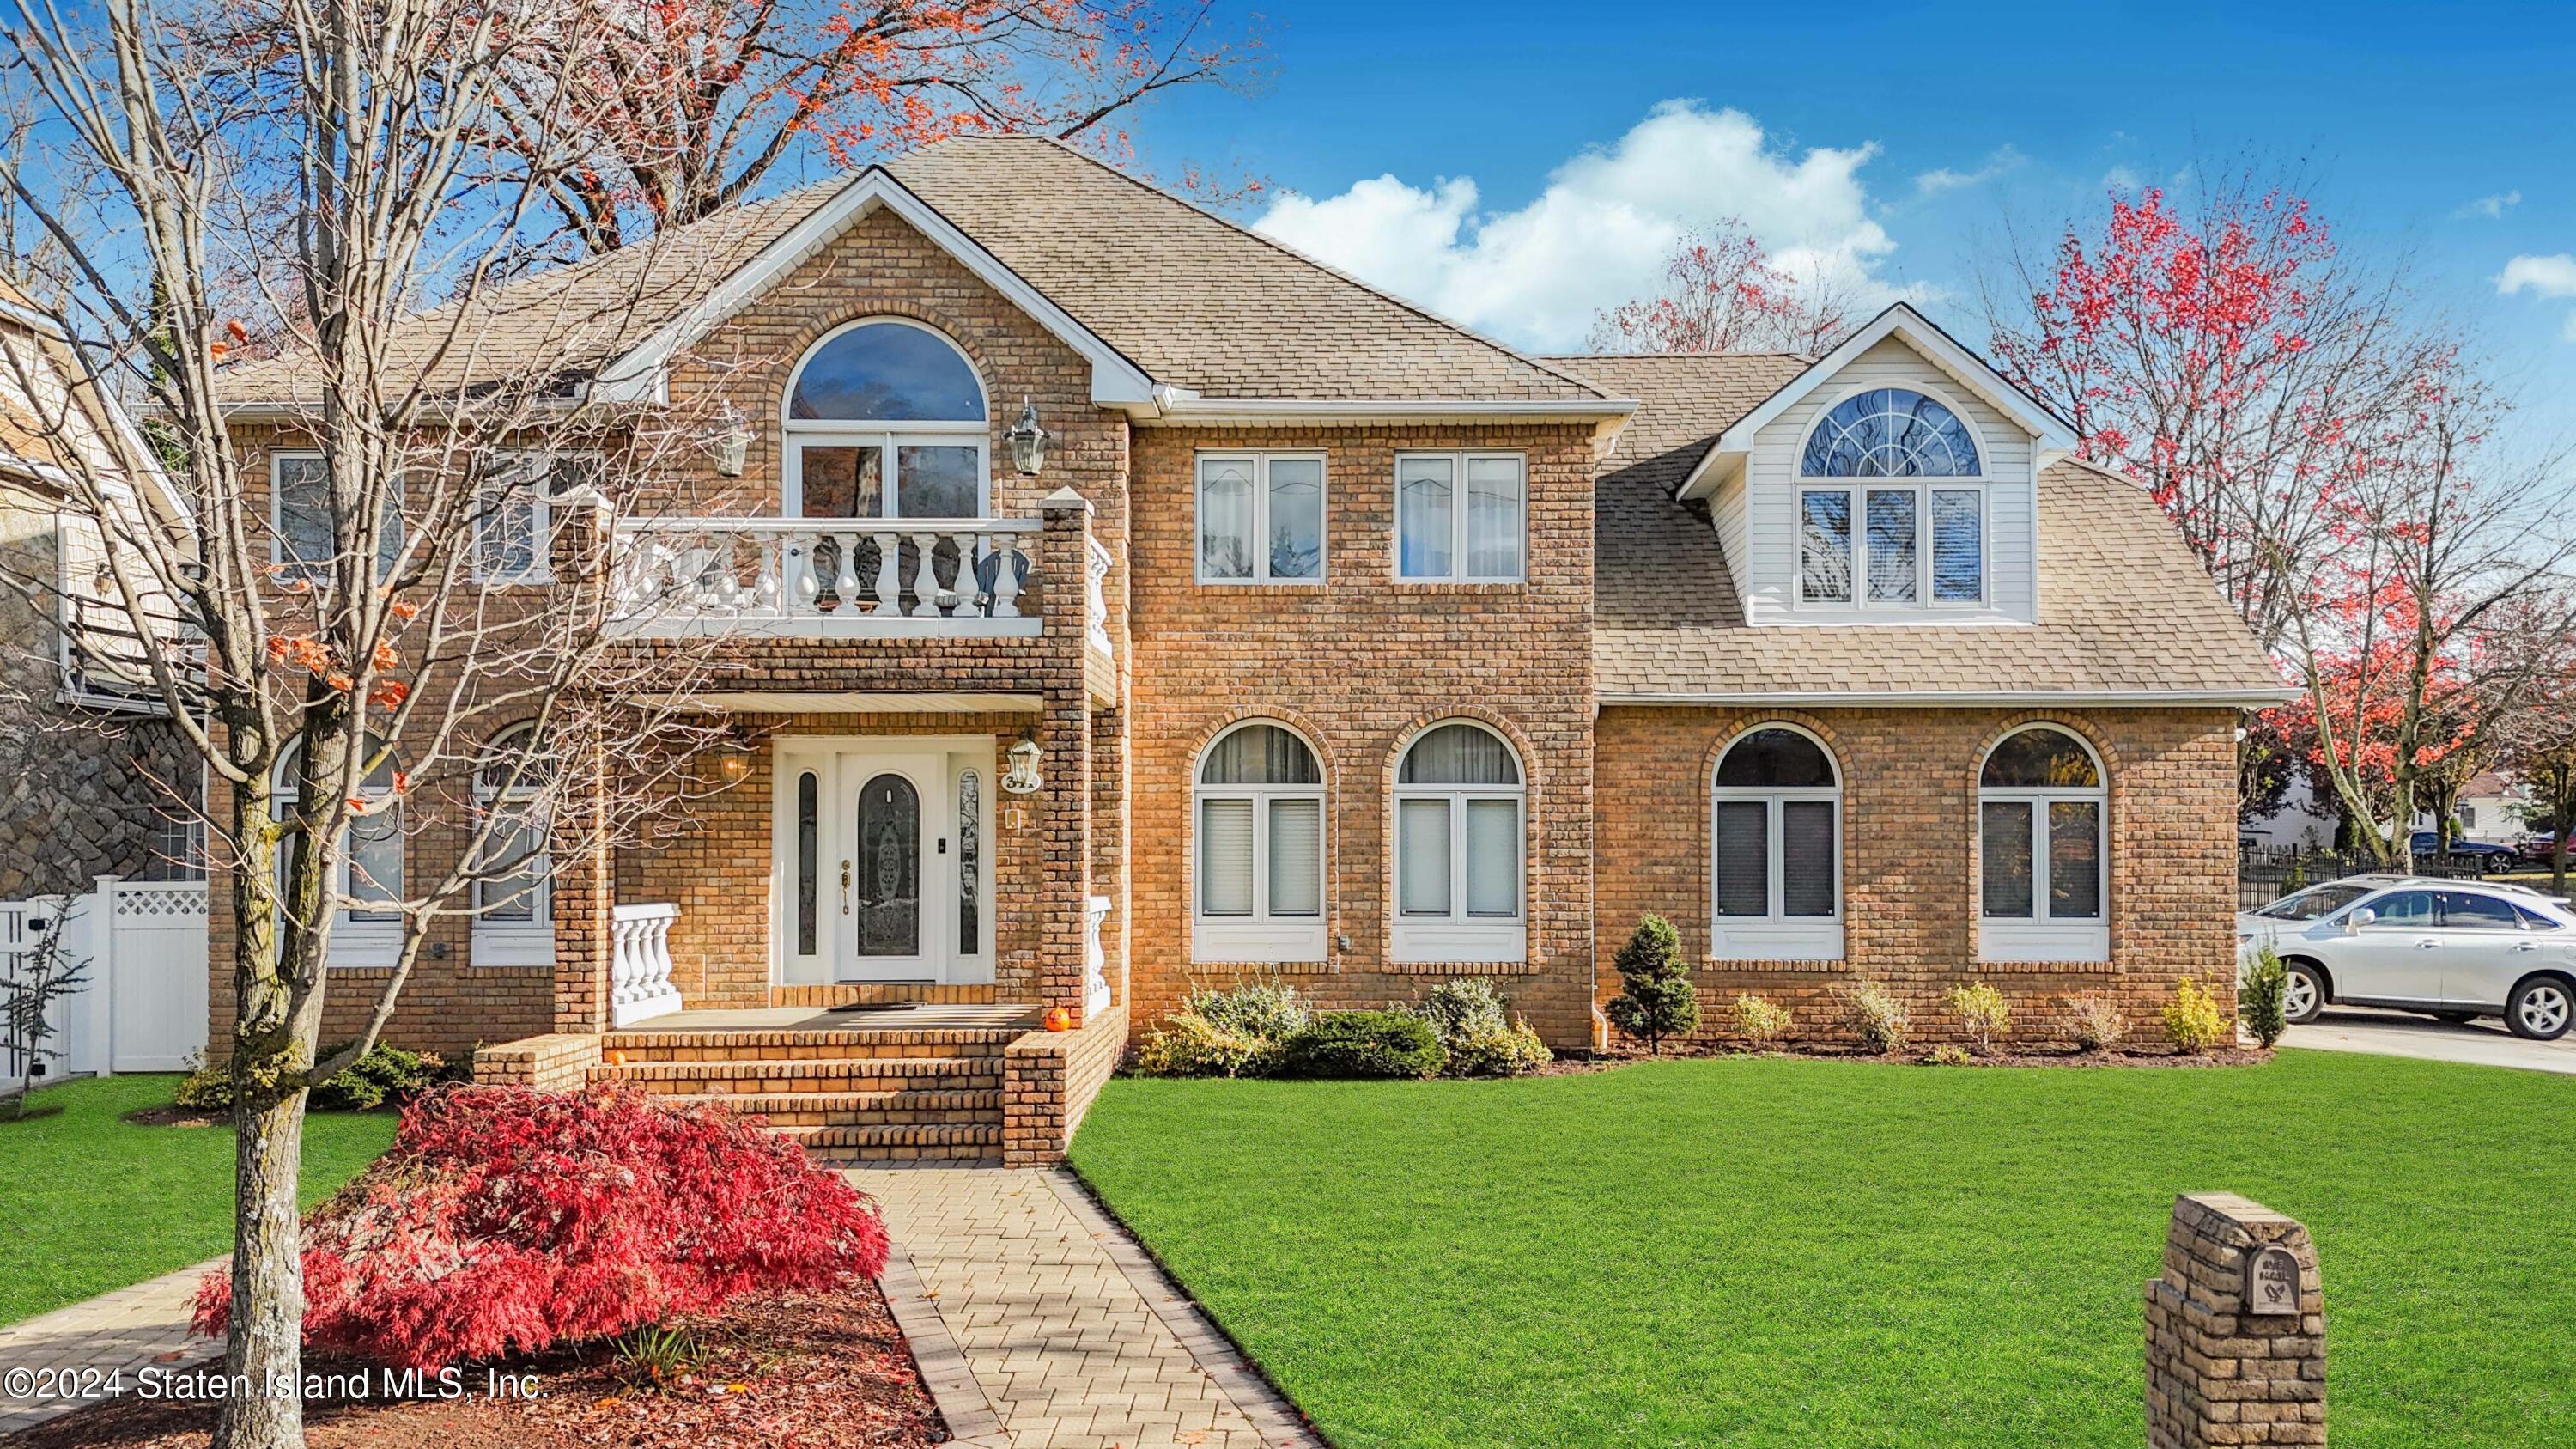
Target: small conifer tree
[(1656, 998)]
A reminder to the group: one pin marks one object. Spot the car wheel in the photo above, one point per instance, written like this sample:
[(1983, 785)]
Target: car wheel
[(2455, 1018), (2304, 995), (2541, 1009)]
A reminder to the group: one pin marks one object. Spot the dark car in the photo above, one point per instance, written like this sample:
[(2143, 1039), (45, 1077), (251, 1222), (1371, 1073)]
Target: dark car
[(2428, 842)]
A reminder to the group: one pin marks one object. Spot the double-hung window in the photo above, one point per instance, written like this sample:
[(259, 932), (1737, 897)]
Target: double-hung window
[(1461, 517), (513, 887), (1261, 518), (367, 881), (1910, 528), (2043, 843), (1459, 798), (514, 513), (304, 540), (1260, 820)]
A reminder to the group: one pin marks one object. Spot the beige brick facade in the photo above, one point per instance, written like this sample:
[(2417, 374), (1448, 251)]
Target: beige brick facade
[(1910, 857)]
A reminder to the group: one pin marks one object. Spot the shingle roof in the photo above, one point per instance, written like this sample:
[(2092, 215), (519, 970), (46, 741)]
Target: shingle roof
[(2123, 607), (1195, 301)]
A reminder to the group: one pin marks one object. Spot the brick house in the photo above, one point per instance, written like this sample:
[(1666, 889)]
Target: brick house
[(1328, 641)]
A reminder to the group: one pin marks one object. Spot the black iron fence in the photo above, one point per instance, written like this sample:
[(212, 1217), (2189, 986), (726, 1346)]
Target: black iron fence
[(2265, 875)]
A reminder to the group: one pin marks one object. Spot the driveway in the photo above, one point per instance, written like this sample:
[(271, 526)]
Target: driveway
[(2404, 1034)]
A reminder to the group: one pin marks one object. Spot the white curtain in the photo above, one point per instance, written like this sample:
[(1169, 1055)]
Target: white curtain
[(1225, 518), (1494, 517)]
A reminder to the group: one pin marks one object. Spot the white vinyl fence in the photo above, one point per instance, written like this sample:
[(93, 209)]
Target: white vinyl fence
[(141, 946)]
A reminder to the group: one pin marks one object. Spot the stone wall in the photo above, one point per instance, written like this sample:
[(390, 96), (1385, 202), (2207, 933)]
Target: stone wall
[(2236, 1331), (83, 792), (1910, 864)]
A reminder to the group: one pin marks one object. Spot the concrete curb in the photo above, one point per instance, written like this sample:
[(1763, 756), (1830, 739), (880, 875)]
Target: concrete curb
[(972, 1421)]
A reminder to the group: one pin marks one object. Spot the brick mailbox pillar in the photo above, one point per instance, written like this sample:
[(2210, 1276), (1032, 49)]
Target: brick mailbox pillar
[(2236, 1329)]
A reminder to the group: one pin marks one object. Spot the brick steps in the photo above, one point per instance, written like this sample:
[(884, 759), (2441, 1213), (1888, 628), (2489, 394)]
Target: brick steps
[(887, 1094)]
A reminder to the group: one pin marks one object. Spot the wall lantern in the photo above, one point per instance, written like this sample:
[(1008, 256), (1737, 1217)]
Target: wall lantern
[(733, 758), (1028, 441), (1021, 778), (731, 448)]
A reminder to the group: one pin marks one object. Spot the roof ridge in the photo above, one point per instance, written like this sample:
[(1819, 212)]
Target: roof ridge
[(1294, 254)]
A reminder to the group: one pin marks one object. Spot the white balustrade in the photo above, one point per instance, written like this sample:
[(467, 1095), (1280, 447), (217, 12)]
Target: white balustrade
[(1095, 960), (639, 963), (838, 577), (1094, 578)]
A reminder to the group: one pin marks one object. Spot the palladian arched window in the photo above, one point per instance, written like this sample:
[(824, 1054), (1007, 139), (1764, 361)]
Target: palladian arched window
[(1906, 539), (1776, 862), (513, 888), (886, 418), (2043, 831), (1259, 814), (1459, 801)]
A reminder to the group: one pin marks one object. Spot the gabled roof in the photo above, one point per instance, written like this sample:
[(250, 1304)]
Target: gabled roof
[(2126, 614), (38, 440), (1900, 321), (1177, 309)]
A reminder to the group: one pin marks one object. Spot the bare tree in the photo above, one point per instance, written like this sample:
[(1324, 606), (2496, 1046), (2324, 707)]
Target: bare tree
[(2434, 615), (378, 605), (1722, 293)]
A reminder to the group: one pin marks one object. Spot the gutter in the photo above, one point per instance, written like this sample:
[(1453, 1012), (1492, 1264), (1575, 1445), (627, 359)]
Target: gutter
[(1177, 408), (1942, 699)]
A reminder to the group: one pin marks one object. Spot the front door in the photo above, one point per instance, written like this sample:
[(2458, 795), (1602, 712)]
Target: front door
[(896, 834)]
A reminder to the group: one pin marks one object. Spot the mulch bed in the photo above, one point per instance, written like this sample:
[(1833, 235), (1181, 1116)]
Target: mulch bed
[(809, 1372)]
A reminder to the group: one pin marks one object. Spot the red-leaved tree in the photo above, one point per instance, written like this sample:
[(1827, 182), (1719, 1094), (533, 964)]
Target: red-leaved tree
[(1722, 293), (505, 1220)]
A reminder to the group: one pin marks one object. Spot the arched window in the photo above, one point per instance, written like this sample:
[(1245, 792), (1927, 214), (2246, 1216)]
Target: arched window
[(369, 877), (1458, 832), (2043, 837), (885, 418), (513, 894), (1776, 858), (1907, 541), (1259, 808)]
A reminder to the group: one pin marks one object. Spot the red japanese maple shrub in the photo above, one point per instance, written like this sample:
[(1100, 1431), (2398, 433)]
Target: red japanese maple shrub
[(504, 1220)]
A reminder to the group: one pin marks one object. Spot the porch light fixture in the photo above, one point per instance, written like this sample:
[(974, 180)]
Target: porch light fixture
[(1028, 441), (731, 448), (1021, 778)]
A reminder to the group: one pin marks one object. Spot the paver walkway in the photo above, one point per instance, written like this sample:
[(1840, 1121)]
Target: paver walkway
[(124, 1331), (1078, 1339)]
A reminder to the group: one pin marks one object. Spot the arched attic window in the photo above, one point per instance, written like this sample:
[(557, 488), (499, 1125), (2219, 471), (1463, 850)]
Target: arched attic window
[(1916, 534)]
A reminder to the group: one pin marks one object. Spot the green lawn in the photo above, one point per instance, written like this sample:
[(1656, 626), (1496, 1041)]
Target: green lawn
[(89, 1203), (1804, 1252)]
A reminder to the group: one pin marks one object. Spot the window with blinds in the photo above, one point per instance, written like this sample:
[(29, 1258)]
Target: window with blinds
[(1775, 857), (1259, 857), (1459, 858)]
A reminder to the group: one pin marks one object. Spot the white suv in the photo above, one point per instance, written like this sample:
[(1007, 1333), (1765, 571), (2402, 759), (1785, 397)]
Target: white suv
[(2456, 949)]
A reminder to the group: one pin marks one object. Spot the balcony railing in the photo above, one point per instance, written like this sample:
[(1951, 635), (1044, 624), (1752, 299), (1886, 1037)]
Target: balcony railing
[(639, 963), (828, 578)]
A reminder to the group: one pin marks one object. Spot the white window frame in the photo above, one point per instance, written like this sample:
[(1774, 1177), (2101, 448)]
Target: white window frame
[(541, 495), (798, 434), (1261, 459), (1260, 938), (2041, 936), (507, 942), (1856, 494), (1462, 459), (1775, 935), (315, 568), (360, 939), (1458, 936)]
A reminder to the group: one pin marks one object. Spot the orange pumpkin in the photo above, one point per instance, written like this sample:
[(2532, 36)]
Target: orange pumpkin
[(617, 1059), (1059, 1018)]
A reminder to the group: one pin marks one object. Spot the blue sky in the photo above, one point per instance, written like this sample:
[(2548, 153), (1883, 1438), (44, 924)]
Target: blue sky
[(1514, 171)]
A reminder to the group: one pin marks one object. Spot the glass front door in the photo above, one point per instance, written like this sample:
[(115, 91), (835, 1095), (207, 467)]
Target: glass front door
[(884, 860), (887, 892)]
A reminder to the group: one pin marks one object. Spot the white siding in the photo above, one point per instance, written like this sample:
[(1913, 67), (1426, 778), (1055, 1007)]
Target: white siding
[(1764, 550), (1726, 510)]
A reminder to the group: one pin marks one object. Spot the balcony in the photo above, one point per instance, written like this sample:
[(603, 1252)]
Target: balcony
[(854, 578)]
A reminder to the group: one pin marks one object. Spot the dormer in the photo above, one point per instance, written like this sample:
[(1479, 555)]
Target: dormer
[(1895, 481)]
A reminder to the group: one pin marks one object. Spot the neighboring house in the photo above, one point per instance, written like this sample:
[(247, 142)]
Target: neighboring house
[(2489, 809), (2300, 822), (1355, 649), (88, 761)]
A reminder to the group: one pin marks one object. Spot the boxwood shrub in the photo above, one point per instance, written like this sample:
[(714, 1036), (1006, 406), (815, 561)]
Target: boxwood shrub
[(1365, 1044)]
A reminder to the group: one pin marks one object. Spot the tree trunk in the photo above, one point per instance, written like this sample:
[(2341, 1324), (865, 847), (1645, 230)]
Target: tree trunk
[(265, 1349)]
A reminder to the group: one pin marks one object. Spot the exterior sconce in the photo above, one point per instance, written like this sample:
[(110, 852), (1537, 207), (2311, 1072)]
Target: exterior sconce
[(731, 448), (1028, 441), (732, 760), (1021, 777)]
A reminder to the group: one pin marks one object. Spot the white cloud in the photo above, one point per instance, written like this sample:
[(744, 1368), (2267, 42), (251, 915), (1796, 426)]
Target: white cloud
[(1599, 233), (2490, 208), (2549, 277), (1934, 182), (2120, 178)]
